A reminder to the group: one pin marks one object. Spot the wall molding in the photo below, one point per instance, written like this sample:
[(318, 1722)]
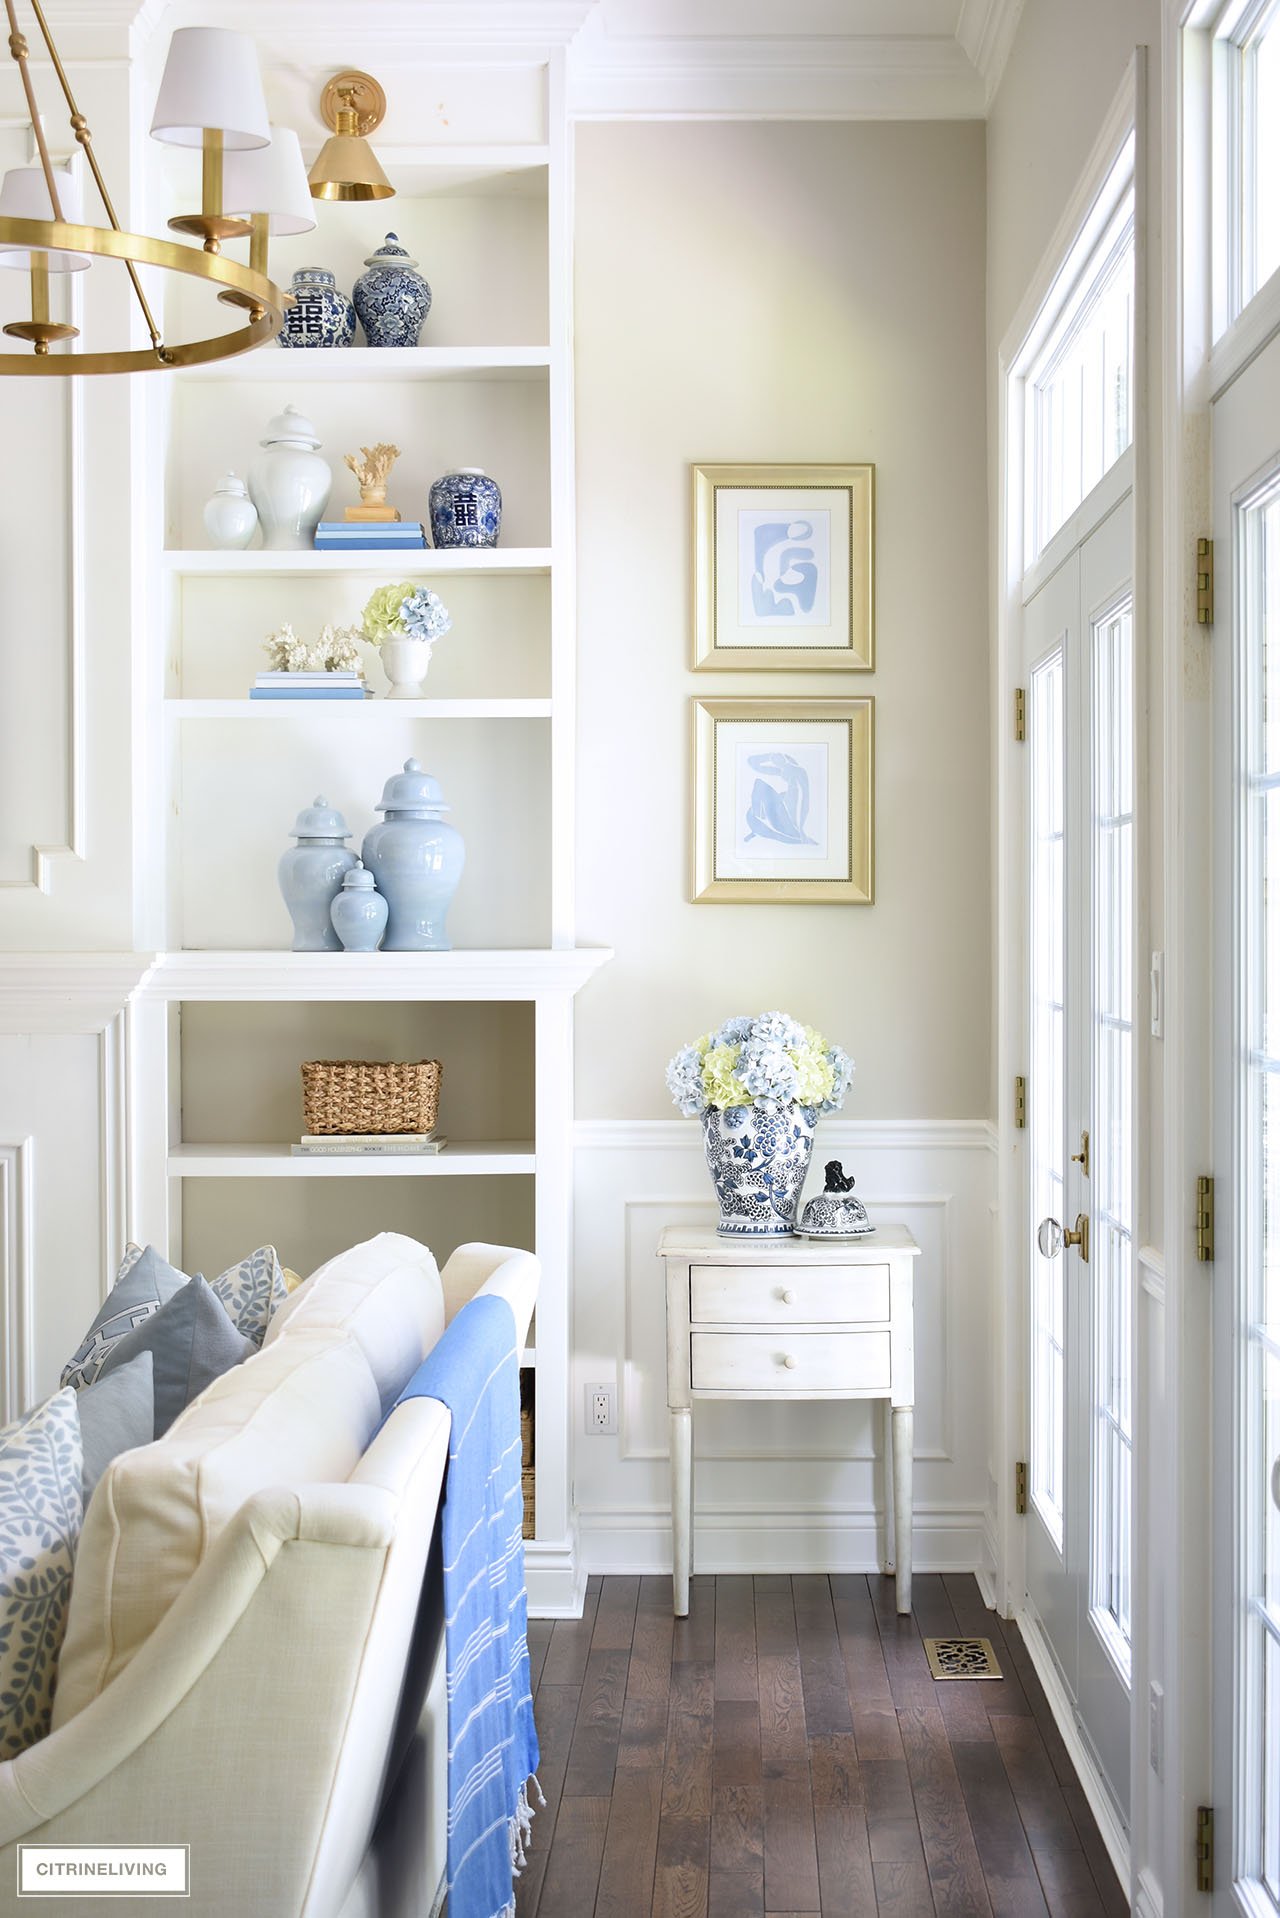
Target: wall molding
[(68, 991), (1151, 1272), (17, 1280), (817, 1537), (861, 1135), (986, 30), (1096, 1789)]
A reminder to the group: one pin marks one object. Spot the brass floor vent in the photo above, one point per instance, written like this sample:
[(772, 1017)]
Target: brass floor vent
[(962, 1658)]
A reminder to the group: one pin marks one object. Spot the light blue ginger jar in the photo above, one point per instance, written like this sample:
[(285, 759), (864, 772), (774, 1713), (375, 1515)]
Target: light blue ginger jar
[(466, 508), (359, 912), (391, 296), (311, 875), (416, 859), (321, 313)]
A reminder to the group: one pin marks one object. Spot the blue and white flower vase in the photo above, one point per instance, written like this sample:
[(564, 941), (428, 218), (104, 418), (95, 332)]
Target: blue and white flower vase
[(758, 1163), (311, 875), (466, 508), (416, 859), (321, 313), (391, 296), (359, 912)]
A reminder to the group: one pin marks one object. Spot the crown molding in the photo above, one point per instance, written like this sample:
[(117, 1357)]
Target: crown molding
[(985, 31)]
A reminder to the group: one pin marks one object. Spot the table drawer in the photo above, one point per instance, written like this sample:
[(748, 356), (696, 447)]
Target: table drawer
[(802, 1362), (783, 1295)]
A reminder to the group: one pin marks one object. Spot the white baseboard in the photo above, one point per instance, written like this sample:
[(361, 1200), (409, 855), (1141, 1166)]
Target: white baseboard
[(636, 1540), (1103, 1806), (555, 1578)]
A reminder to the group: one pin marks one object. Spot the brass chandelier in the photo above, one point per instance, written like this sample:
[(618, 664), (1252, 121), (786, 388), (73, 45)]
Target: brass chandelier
[(210, 97)]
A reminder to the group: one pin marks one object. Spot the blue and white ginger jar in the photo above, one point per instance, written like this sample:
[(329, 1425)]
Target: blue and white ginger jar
[(321, 314), (466, 508), (416, 859), (391, 297), (758, 1163), (311, 875)]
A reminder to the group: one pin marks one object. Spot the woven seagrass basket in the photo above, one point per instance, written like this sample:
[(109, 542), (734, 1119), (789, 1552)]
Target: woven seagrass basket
[(360, 1095)]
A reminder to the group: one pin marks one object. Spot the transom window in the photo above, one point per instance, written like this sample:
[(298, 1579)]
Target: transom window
[(1247, 117)]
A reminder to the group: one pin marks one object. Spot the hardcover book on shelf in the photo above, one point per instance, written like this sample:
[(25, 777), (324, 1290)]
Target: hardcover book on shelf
[(309, 679), (307, 692), (387, 1145)]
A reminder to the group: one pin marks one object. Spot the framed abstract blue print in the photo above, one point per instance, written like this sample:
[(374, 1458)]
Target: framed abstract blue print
[(784, 801), (784, 568)]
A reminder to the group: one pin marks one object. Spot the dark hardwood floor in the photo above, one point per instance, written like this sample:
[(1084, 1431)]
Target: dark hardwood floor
[(785, 1753)]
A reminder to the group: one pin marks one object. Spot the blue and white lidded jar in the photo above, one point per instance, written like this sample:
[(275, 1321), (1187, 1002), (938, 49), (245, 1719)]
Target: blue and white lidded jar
[(321, 314), (466, 508), (311, 875), (391, 297), (359, 912)]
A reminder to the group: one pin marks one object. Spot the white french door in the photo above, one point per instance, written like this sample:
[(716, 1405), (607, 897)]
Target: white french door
[(1079, 691), (1246, 1272)]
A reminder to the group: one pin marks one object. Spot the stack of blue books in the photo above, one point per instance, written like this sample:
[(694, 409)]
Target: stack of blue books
[(307, 686), (370, 536)]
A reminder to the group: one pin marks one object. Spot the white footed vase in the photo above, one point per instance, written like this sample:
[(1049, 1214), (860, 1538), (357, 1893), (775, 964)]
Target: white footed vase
[(405, 662)]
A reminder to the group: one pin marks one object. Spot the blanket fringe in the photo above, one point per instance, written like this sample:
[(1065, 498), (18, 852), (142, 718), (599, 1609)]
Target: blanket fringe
[(519, 1829)]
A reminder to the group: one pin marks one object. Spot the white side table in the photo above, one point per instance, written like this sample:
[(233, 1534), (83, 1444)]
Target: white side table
[(791, 1319)]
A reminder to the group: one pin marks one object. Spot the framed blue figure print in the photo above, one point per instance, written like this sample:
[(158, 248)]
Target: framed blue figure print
[(784, 801), (783, 568)]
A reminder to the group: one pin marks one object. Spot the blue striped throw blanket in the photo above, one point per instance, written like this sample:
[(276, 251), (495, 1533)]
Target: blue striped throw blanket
[(493, 1746)]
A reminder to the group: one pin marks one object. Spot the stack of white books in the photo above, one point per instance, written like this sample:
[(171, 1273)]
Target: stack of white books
[(337, 1144), (308, 686)]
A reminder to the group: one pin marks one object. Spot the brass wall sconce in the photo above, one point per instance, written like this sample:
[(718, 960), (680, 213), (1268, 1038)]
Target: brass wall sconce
[(352, 105)]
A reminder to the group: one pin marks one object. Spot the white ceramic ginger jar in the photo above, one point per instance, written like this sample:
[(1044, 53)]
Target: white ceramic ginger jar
[(290, 483)]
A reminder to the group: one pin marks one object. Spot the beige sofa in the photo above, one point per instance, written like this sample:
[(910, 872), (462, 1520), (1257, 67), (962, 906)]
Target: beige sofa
[(286, 1716)]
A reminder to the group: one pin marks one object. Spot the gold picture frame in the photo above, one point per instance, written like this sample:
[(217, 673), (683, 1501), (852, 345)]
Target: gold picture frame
[(784, 568), (783, 801)]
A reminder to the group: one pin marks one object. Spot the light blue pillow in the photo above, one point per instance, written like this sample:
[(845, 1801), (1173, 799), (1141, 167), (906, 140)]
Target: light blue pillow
[(117, 1412), (41, 1510), (251, 1291), (143, 1284), (191, 1341)]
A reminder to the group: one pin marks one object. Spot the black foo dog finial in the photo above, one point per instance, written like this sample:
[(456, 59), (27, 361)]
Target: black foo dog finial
[(837, 1178)]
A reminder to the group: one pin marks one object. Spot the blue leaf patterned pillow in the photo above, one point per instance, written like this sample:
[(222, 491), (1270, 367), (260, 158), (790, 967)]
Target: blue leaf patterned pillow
[(143, 1284), (251, 1291), (41, 1509)]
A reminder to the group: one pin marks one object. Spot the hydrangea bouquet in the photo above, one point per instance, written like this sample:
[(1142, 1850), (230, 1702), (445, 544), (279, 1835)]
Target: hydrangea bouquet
[(404, 622), (759, 1086)]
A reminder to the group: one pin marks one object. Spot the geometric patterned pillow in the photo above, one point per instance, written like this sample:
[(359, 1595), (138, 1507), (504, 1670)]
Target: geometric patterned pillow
[(41, 1509), (143, 1284), (251, 1292)]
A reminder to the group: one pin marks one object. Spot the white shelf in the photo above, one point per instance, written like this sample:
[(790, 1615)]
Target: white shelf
[(371, 711), (353, 365), (469, 974), (422, 171), (503, 1159), (198, 563)]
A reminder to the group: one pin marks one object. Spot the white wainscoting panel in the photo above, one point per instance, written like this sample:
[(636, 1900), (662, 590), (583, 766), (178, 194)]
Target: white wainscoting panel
[(788, 1486)]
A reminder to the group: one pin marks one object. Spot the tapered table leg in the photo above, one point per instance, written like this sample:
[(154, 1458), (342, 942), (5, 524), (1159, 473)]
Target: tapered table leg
[(681, 1507), (889, 1560), (903, 1445)]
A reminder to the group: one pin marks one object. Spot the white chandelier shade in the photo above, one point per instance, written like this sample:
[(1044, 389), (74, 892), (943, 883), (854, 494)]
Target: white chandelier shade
[(211, 83), (270, 180), (24, 195)]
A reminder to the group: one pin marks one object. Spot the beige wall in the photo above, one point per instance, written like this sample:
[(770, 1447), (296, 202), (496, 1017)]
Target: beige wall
[(784, 292)]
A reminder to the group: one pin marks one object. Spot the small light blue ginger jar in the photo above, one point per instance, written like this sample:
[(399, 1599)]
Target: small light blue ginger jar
[(391, 296), (466, 508), (416, 859), (321, 313), (359, 912), (311, 875)]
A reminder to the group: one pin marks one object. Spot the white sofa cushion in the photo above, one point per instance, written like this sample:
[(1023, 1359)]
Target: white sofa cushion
[(386, 1294), (300, 1412)]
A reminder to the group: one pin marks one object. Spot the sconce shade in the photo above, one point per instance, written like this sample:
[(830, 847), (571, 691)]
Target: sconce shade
[(347, 168), (270, 180), (24, 195), (211, 81)]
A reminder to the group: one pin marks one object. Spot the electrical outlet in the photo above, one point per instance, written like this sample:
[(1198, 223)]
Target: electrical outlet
[(602, 1415), (1156, 1727)]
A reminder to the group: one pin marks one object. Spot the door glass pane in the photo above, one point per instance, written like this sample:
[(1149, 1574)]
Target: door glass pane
[(1111, 1140), (1048, 1069), (1080, 389), (1259, 1429)]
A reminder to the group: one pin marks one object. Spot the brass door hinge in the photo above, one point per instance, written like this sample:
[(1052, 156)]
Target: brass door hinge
[(1204, 1847), (1020, 1488), (1204, 1220), (1020, 1103), (1204, 581), (1019, 714)]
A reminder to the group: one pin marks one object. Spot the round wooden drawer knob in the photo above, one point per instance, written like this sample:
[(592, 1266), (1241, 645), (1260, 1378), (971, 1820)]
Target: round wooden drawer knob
[(788, 1297), (789, 1362)]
